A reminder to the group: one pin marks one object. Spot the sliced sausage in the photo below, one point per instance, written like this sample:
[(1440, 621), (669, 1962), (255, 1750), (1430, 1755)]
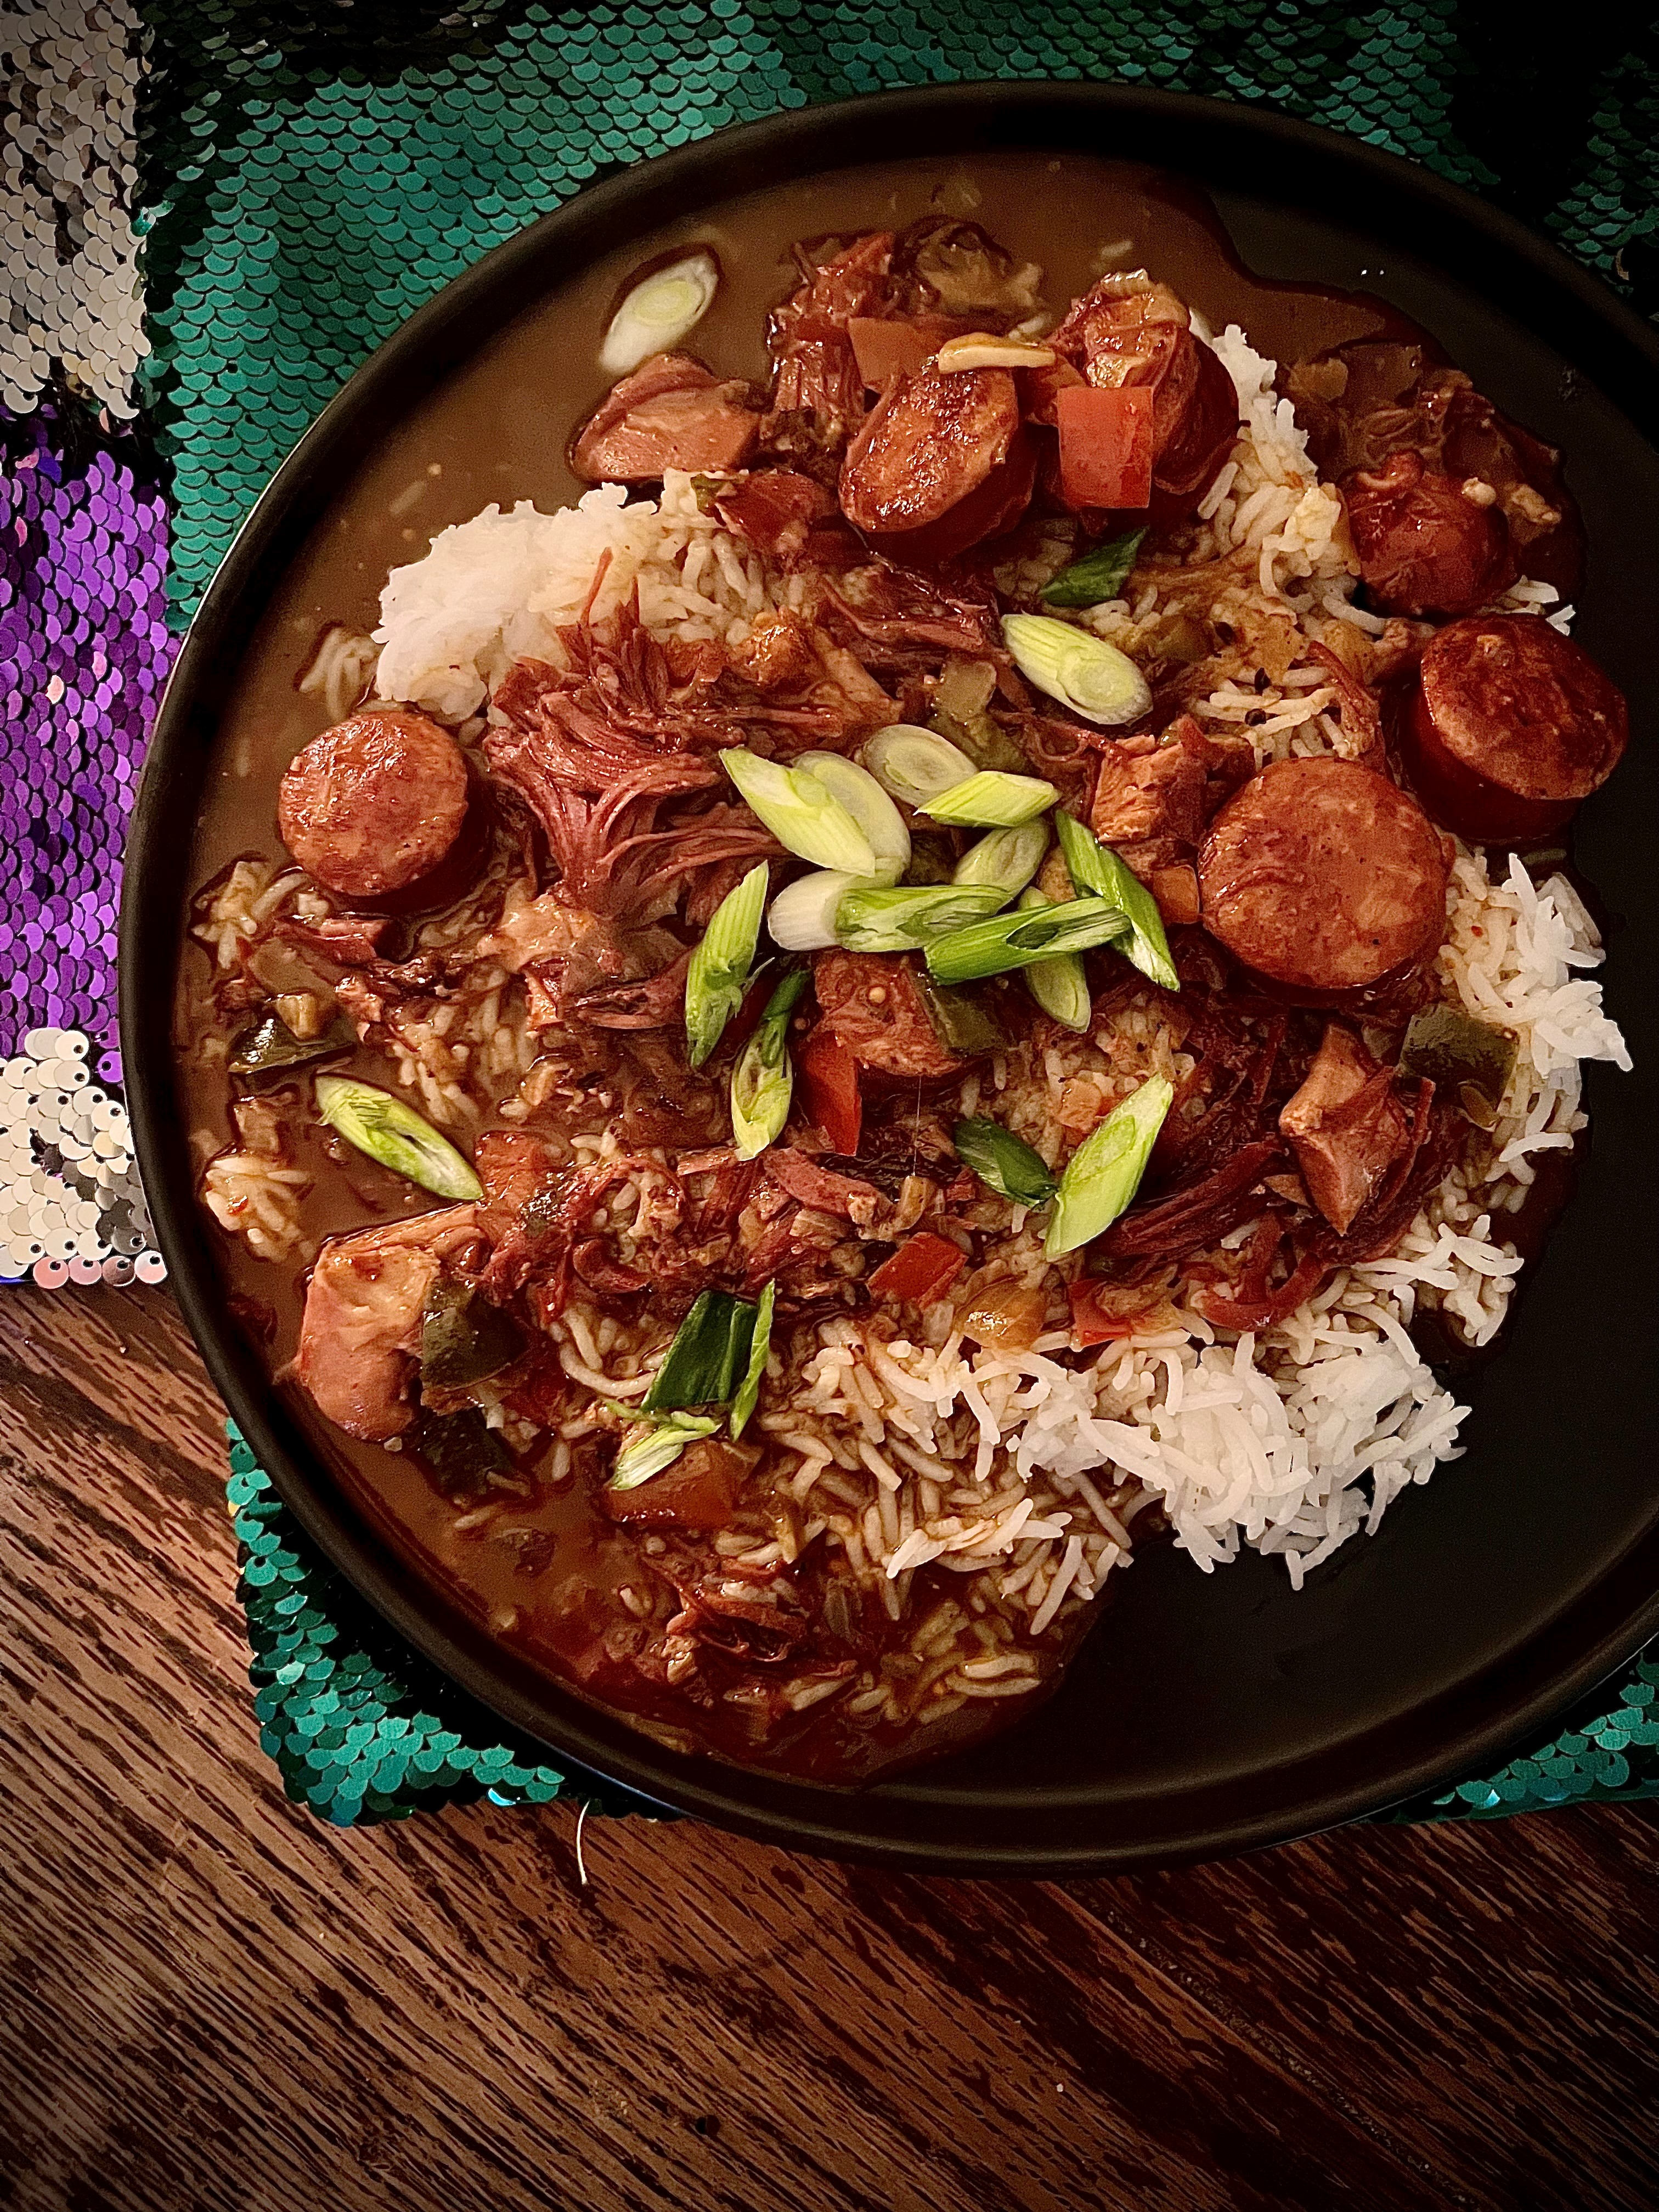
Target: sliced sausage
[(873, 1003), (1512, 725), (1323, 876), (671, 413), (373, 805), (1427, 544), (935, 440)]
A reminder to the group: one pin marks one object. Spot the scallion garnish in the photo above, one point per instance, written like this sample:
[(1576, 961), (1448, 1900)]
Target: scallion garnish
[(1007, 859), (1006, 941), (1104, 1172), (1059, 985), (800, 812), (655, 1449), (993, 799), (915, 765), (858, 791), (1095, 868), (905, 919), (709, 1354), (1004, 1163), (763, 1079), (718, 975), (748, 1396), (661, 309), (395, 1135), (802, 918), (1080, 670), (1100, 575)]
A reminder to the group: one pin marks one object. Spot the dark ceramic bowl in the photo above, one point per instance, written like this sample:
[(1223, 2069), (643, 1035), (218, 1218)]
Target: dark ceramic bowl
[(1203, 1716)]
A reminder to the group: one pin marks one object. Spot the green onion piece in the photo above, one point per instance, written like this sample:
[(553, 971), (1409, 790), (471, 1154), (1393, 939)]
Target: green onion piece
[(1006, 941), (709, 1353), (1104, 1172), (994, 798), (915, 765), (764, 1081), (748, 1395), (654, 1448), (1098, 576), (660, 311), (1080, 670), (719, 974), (395, 1135), (869, 806), (802, 918), (1060, 986), (800, 812), (1007, 857), (1004, 1163), (903, 920), (1095, 867)]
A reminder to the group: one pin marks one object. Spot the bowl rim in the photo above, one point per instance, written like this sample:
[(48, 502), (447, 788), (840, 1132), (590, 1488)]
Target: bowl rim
[(1190, 136)]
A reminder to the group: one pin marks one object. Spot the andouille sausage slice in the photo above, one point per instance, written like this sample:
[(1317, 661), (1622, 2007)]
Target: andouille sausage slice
[(934, 440), (1323, 876), (374, 805), (1512, 725), (1428, 544), (671, 413)]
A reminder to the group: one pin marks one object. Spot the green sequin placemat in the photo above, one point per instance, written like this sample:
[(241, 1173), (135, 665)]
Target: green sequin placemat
[(310, 174)]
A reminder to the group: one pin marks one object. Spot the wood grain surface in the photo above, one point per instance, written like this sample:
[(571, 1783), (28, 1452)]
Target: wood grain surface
[(210, 2000)]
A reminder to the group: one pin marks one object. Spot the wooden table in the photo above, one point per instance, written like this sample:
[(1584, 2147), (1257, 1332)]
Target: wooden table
[(214, 2001)]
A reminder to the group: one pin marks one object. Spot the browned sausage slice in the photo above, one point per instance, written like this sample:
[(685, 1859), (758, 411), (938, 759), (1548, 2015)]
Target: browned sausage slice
[(1424, 545), (671, 413), (874, 1004), (1510, 726), (374, 805), (1323, 875), (933, 441)]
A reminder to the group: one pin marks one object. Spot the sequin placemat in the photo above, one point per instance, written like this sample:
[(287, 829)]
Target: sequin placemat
[(291, 182)]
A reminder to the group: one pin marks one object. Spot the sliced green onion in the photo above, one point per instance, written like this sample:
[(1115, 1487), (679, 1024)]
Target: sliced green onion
[(800, 812), (1004, 1163), (803, 915), (1007, 859), (660, 311), (748, 1395), (905, 919), (915, 765), (1104, 1172), (1098, 576), (869, 806), (994, 798), (764, 1081), (395, 1135), (655, 1449), (709, 1354), (1080, 670), (1095, 867), (719, 974), (1006, 941), (1060, 986)]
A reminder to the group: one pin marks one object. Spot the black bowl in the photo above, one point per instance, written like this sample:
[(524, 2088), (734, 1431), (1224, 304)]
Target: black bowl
[(1202, 1716)]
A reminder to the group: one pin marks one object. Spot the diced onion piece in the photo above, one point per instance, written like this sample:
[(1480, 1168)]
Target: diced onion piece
[(1095, 867), (1008, 859), (994, 798), (1104, 1172), (1059, 985), (748, 1393), (869, 806), (915, 765), (764, 1081), (800, 812), (660, 311), (1003, 1162), (395, 1135), (1098, 576), (985, 350), (803, 916), (1006, 941), (655, 1449), (717, 975), (904, 920), (1080, 670)]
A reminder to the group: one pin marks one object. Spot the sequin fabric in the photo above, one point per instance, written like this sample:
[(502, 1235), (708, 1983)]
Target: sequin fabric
[(308, 175)]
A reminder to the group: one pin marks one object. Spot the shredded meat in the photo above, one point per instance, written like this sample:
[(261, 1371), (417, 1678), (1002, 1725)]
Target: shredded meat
[(817, 390), (1344, 1126), (362, 1326)]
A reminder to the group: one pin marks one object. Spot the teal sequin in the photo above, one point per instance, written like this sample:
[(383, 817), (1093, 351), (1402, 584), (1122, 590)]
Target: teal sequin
[(312, 173)]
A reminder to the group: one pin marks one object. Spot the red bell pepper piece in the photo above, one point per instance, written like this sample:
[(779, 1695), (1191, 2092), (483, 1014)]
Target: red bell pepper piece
[(1105, 446), (829, 1078), (922, 1269), (1093, 1318)]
